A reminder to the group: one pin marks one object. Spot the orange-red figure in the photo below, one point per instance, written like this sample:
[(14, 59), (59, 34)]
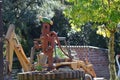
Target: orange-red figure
[(48, 39)]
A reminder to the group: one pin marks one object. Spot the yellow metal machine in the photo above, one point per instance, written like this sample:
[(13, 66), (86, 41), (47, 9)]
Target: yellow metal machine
[(13, 45)]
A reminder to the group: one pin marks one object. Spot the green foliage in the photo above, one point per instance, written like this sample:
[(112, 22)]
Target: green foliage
[(87, 36), (70, 0), (103, 31), (101, 11), (60, 24), (117, 43), (38, 68), (24, 14), (59, 53)]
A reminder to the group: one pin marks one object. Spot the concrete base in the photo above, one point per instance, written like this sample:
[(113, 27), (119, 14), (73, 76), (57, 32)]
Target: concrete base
[(99, 78)]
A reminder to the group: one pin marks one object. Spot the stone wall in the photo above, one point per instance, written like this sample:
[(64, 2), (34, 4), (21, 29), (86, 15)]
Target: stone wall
[(97, 56)]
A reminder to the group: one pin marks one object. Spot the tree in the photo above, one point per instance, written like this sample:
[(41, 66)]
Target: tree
[(61, 24), (24, 14), (101, 12), (87, 36)]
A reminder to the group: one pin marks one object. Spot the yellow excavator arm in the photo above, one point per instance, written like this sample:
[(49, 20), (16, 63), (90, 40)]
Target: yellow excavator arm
[(13, 45)]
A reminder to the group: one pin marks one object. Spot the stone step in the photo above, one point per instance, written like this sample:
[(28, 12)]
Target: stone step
[(99, 78)]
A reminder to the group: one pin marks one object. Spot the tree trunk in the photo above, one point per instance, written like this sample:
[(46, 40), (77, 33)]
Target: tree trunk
[(111, 55), (1, 45)]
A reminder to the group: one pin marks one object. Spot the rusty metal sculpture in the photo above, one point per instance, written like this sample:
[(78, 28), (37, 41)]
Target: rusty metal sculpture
[(48, 40)]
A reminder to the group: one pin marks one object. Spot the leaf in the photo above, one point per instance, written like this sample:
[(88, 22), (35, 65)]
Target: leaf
[(78, 29), (73, 25), (103, 31), (70, 0)]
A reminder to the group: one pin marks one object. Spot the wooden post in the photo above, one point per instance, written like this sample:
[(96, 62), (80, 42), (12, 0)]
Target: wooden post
[(1, 44)]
